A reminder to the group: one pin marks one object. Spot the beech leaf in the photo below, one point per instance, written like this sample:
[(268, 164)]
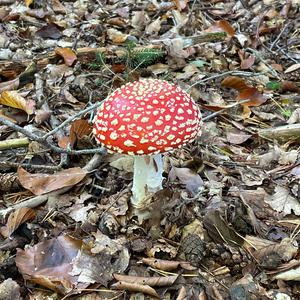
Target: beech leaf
[(67, 54), (40, 183), (14, 99)]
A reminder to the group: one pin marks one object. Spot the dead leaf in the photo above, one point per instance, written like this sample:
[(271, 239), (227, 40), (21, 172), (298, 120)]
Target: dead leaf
[(49, 263), (78, 130), (237, 137), (222, 25), (135, 287), (14, 99), (67, 54), (58, 7), (9, 85), (167, 265), (272, 256), (151, 281), (116, 36), (292, 68), (282, 201), (40, 183), (245, 92), (17, 218), (219, 230), (186, 176), (50, 31), (248, 62)]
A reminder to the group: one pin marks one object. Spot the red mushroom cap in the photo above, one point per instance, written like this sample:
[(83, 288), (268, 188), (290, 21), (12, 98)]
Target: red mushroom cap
[(148, 116)]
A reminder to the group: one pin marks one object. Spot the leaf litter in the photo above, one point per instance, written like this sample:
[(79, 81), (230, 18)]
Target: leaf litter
[(230, 204)]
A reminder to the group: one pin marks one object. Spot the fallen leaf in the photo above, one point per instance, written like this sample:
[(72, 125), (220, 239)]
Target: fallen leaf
[(222, 25), (237, 137), (151, 281), (116, 36), (282, 201), (219, 230), (292, 68), (14, 99), (40, 183), (245, 92), (248, 62), (186, 176), (49, 31), (67, 54), (17, 218), (135, 287), (49, 263), (79, 129), (167, 265), (9, 85)]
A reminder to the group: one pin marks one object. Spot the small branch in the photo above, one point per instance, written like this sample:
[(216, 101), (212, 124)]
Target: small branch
[(224, 109), (69, 120), (45, 139), (13, 143)]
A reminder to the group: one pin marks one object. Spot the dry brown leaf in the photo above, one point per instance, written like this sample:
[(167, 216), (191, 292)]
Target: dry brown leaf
[(151, 281), (49, 263), (135, 287), (16, 219), (247, 62), (67, 54), (234, 82), (49, 31), (222, 25), (40, 183), (9, 85), (167, 265), (272, 256), (14, 99), (58, 7), (236, 137), (192, 181), (78, 130), (245, 92)]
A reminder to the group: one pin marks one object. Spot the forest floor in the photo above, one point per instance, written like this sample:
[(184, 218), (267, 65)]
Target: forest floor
[(226, 224)]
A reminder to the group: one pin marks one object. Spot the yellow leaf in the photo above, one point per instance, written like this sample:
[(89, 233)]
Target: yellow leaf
[(14, 99), (28, 2)]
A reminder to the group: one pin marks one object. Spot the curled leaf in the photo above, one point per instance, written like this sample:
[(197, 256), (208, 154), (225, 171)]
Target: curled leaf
[(14, 99), (67, 54), (17, 218)]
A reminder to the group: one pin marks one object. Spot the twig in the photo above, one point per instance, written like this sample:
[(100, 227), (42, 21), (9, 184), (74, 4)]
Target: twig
[(279, 36), (32, 166), (72, 118), (224, 109), (13, 143), (258, 56), (43, 139), (240, 73)]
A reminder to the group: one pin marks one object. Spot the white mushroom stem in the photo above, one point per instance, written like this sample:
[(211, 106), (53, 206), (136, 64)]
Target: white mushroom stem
[(147, 178)]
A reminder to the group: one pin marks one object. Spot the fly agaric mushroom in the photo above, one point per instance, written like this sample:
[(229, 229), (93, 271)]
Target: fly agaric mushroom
[(146, 118)]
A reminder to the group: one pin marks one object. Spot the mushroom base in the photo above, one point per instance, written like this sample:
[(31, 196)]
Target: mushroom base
[(147, 178)]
